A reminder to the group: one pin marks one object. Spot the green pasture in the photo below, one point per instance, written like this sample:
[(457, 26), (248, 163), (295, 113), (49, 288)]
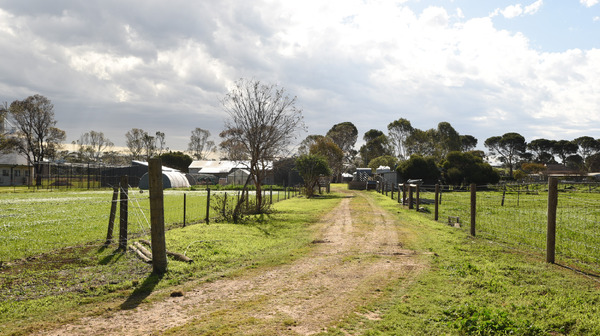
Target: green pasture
[(522, 220), (36, 222)]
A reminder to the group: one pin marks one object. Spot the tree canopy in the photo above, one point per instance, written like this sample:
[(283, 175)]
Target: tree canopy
[(200, 145), (398, 131), (419, 167), (176, 160), (507, 147), (38, 138), (463, 168), (311, 168)]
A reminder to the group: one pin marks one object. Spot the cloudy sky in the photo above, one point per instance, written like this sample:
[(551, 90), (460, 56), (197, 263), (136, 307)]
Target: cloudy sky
[(487, 67)]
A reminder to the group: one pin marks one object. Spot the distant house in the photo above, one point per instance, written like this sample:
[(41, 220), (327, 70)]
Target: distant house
[(225, 170), (14, 170)]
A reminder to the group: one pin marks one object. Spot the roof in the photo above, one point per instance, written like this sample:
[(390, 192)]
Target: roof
[(170, 179), (144, 163), (222, 167), (12, 158)]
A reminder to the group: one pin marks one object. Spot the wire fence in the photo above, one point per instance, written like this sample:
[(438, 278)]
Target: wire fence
[(40, 222), (517, 215)]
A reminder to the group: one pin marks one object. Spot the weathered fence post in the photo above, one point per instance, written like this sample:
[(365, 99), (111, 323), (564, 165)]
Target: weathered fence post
[(157, 216), (207, 205), (404, 190), (473, 207), (503, 195), (392, 193), (418, 202), (437, 196), (113, 213), (224, 204), (552, 205), (271, 194), (410, 197), (184, 208), (123, 212), (400, 195)]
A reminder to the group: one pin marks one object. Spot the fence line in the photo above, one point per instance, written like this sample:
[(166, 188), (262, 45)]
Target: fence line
[(518, 215)]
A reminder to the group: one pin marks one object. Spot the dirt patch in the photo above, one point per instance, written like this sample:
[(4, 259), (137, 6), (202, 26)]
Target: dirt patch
[(356, 255)]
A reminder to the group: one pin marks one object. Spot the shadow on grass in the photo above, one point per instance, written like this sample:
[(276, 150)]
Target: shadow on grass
[(142, 292), (111, 258)]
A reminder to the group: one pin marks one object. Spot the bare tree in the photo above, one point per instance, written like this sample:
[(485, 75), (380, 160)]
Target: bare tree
[(93, 144), (265, 120), (135, 142), (199, 144), (37, 138)]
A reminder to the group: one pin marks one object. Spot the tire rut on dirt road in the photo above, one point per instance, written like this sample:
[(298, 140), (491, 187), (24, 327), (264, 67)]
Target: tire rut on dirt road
[(357, 254)]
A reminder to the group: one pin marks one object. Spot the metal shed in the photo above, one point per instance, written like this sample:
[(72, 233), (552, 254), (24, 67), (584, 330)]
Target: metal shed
[(170, 179)]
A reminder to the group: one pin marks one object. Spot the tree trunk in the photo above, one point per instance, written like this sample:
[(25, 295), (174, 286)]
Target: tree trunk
[(38, 174), (240, 202)]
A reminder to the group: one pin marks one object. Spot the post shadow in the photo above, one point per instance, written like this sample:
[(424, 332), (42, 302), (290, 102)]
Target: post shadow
[(142, 292)]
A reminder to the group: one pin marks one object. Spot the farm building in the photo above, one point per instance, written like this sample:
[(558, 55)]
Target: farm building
[(388, 176), (14, 170), (224, 168)]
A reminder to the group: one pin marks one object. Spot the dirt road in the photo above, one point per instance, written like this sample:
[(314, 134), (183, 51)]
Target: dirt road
[(358, 253)]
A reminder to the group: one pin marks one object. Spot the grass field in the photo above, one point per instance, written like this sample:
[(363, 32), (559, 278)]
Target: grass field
[(41, 221)]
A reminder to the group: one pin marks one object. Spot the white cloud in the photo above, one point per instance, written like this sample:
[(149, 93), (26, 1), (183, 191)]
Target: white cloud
[(368, 62), (513, 11), (534, 7), (588, 3)]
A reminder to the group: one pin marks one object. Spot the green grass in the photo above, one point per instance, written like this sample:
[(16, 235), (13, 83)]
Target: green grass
[(474, 286), (38, 222), (63, 284)]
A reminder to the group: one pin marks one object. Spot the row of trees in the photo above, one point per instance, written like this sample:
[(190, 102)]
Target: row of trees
[(582, 153)]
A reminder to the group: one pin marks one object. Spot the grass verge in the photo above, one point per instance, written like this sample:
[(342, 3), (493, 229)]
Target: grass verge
[(475, 286)]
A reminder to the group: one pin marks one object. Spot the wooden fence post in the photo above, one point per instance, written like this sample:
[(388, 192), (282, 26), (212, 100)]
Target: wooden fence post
[(404, 190), (392, 193), (224, 204), (184, 207), (207, 205), (552, 205), (123, 212), (271, 194), (437, 197), (410, 197), (418, 202), (157, 216), (473, 207), (113, 213)]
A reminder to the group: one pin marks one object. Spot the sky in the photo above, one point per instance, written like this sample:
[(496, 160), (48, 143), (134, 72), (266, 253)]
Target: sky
[(486, 67)]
